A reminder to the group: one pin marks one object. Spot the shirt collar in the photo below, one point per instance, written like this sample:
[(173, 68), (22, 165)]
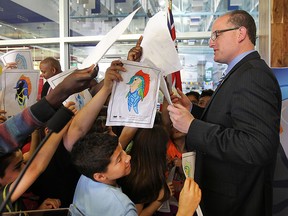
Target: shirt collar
[(236, 60)]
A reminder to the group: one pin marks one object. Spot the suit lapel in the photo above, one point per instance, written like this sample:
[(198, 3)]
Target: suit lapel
[(250, 56)]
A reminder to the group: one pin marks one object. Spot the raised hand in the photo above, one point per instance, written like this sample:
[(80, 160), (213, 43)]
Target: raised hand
[(77, 81), (2, 116), (10, 65), (189, 198), (112, 74), (135, 53)]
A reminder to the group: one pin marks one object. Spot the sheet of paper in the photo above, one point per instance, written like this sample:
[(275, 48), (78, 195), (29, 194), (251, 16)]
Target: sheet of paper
[(171, 174), (164, 90), (107, 41), (20, 90), (158, 46), (188, 164), (133, 101), (23, 58), (80, 98), (165, 207), (58, 78)]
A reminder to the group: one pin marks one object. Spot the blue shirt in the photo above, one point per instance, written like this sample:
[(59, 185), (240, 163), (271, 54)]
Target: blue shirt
[(236, 60), (93, 198)]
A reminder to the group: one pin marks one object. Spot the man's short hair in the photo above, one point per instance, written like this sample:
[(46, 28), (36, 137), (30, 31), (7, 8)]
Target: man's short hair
[(243, 18), (53, 62)]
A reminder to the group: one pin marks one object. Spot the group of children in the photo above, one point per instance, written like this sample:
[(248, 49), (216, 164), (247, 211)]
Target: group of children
[(112, 182)]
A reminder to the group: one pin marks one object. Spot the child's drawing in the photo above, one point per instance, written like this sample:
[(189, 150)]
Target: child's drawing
[(23, 91), (139, 87)]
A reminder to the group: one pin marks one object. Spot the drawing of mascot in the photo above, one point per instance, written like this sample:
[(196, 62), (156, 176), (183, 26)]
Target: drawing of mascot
[(139, 88)]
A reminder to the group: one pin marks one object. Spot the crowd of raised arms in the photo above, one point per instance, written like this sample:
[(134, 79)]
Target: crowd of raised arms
[(94, 169)]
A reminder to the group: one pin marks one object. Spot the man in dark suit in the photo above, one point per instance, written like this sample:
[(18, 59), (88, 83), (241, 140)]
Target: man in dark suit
[(237, 137), (49, 67)]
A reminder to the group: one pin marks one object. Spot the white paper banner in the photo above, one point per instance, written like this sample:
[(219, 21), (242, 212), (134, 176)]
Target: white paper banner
[(158, 46)]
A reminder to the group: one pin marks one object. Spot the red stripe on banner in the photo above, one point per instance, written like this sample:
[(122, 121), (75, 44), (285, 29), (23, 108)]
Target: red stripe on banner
[(40, 87), (176, 76)]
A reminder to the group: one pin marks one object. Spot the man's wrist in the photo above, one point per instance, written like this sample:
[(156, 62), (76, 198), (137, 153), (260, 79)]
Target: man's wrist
[(56, 97)]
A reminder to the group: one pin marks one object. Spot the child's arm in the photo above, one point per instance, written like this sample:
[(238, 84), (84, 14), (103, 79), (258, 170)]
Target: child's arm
[(35, 140), (85, 118), (127, 135), (165, 116), (189, 199), (155, 205), (150, 209), (39, 164)]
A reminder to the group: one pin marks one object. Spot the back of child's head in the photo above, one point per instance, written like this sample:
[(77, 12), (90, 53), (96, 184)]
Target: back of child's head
[(207, 92), (148, 166), (150, 143), (5, 160), (92, 153)]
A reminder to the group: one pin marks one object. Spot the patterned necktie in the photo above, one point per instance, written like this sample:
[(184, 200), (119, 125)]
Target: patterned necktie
[(221, 79)]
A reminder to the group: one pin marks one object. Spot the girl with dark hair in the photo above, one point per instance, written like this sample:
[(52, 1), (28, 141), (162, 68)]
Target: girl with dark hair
[(146, 184)]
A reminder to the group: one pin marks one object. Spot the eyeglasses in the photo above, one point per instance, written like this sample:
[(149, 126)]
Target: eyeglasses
[(216, 33)]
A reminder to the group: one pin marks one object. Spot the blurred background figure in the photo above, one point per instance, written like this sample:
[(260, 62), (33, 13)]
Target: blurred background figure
[(193, 96), (205, 97), (49, 67)]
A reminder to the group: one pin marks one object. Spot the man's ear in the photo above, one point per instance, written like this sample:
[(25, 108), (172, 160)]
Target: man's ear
[(100, 177), (54, 70), (242, 33)]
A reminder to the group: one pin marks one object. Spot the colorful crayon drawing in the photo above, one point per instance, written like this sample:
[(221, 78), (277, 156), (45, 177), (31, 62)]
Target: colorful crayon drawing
[(23, 91), (80, 100), (139, 88), (21, 61)]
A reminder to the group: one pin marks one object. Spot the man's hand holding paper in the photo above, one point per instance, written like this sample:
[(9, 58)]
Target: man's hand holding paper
[(180, 117)]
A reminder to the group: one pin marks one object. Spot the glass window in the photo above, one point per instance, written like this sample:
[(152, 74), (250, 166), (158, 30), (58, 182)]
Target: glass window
[(33, 19), (80, 51), (29, 19)]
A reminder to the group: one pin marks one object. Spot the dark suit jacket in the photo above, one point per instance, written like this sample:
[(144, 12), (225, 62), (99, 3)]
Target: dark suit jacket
[(236, 142), (45, 89)]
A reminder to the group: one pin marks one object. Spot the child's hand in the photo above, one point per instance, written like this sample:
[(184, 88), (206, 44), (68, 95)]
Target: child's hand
[(136, 52), (10, 65), (71, 106), (50, 204), (189, 198), (112, 74), (177, 162), (2, 116), (171, 188)]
